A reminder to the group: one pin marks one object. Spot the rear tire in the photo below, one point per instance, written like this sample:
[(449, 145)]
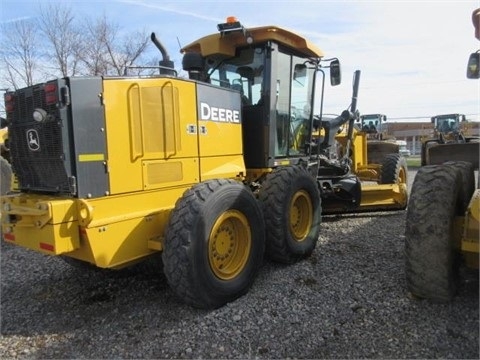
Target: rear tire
[(431, 266), (394, 169), (292, 211), (6, 176), (214, 243), (468, 181)]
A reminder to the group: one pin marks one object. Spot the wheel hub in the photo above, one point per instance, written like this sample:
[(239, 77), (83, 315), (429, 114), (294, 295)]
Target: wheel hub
[(301, 215), (229, 245)]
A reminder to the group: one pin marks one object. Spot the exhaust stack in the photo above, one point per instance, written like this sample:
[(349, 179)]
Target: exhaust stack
[(167, 66)]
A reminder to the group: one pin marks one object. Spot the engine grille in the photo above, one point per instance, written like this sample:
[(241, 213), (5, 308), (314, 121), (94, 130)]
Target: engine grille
[(37, 149)]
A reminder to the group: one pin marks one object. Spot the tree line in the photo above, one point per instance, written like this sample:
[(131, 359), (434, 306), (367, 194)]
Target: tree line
[(56, 43)]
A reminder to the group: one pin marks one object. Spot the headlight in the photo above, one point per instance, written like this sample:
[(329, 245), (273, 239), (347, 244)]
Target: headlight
[(39, 115)]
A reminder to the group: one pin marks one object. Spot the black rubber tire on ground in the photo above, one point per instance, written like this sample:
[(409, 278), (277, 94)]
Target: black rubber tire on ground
[(394, 169), (6, 176), (468, 181), (431, 265), (292, 211), (214, 243)]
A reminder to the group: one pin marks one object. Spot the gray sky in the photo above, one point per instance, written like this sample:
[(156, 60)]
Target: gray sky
[(412, 54)]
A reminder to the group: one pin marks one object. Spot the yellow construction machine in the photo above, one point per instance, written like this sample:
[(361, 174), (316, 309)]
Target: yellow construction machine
[(450, 141), (443, 215), (380, 142), (374, 125), (213, 170)]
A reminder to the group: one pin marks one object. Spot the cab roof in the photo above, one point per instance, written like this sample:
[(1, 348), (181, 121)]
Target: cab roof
[(226, 44)]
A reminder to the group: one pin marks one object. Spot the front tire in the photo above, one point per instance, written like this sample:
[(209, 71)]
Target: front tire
[(292, 210), (214, 243), (431, 266), (394, 170)]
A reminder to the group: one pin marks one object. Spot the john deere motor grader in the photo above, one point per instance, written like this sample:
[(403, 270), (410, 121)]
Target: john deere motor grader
[(443, 216), (211, 171), (380, 142)]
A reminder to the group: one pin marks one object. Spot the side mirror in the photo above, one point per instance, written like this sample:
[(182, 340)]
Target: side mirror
[(335, 73), (473, 67)]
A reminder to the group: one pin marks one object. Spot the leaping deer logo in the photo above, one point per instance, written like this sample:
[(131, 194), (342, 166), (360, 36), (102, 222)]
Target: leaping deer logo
[(33, 140)]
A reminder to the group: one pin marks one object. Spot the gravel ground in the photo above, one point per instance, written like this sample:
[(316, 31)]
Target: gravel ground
[(346, 301)]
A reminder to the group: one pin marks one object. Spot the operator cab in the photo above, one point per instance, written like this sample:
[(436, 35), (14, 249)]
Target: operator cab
[(275, 72), (447, 123), (372, 123)]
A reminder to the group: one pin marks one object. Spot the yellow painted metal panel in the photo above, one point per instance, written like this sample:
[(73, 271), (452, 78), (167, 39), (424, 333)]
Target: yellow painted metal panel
[(146, 120), (120, 243), (222, 167), (471, 225), (117, 230), (50, 239), (470, 246), (358, 147), (386, 196), (41, 223), (216, 44), (220, 138), (164, 173), (38, 210), (104, 211)]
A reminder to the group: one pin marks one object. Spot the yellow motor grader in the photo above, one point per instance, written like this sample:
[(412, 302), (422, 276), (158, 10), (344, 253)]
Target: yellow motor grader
[(443, 215), (213, 170), (380, 142)]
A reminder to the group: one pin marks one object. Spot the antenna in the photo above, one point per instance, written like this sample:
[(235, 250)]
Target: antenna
[(179, 45)]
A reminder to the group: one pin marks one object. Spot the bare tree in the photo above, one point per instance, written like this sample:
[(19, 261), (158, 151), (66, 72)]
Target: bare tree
[(125, 52), (63, 48), (19, 53), (94, 54), (57, 23), (106, 52)]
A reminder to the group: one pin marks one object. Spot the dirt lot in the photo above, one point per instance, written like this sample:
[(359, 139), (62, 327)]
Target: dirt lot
[(348, 300)]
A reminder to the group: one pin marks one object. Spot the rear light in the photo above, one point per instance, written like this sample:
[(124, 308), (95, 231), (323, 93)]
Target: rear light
[(51, 93), (9, 102)]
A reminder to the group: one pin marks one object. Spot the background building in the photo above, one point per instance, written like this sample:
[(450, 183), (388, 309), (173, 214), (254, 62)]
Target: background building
[(412, 132)]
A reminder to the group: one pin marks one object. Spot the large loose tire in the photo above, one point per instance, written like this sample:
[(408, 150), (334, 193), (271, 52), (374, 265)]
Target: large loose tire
[(431, 266), (214, 243), (394, 170), (6, 176), (292, 211)]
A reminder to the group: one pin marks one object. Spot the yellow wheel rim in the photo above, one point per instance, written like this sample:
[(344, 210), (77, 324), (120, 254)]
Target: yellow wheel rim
[(301, 215), (402, 176), (229, 245)]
